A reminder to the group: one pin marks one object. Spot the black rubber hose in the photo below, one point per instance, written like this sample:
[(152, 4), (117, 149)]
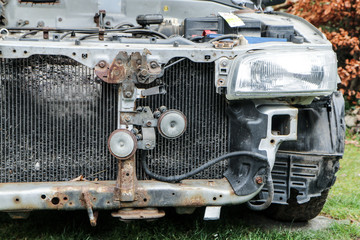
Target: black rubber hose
[(199, 169), (224, 37), (145, 31), (267, 203)]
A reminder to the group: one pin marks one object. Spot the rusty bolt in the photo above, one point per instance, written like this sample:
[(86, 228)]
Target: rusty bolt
[(127, 118), (148, 124), (102, 64), (119, 62), (138, 62), (108, 23), (259, 180), (153, 64), (144, 72), (116, 72)]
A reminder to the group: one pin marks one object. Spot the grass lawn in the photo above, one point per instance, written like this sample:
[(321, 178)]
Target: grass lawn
[(343, 203)]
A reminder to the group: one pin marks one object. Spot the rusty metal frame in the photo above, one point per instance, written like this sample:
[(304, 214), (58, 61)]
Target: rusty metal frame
[(101, 195)]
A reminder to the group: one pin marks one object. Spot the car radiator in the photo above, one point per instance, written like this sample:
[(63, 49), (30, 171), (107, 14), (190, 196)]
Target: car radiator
[(55, 120)]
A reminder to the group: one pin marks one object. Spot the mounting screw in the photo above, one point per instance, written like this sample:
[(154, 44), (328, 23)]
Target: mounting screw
[(259, 180), (139, 136), (108, 23), (148, 124), (153, 64), (157, 114), (119, 61), (139, 109), (127, 118), (138, 62), (128, 94), (163, 109), (135, 131), (148, 146), (102, 64)]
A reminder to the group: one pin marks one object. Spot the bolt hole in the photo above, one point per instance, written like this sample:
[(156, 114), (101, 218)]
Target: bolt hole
[(127, 174), (43, 196), (145, 199), (65, 198), (281, 198), (214, 198), (272, 141), (55, 200), (108, 202), (25, 52), (173, 194), (14, 51), (220, 195), (94, 199), (70, 203), (74, 53), (17, 200)]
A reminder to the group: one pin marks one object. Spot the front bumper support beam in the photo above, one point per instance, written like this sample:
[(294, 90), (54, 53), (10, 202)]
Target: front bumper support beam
[(69, 195)]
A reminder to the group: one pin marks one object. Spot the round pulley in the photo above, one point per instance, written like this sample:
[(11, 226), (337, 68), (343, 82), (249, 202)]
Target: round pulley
[(122, 144), (172, 124)]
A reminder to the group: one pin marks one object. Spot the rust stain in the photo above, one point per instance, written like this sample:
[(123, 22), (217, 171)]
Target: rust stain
[(194, 201)]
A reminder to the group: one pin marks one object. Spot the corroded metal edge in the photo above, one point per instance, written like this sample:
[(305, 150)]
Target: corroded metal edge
[(69, 195)]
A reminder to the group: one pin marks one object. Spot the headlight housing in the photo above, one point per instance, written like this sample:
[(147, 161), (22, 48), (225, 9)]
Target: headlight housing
[(264, 74)]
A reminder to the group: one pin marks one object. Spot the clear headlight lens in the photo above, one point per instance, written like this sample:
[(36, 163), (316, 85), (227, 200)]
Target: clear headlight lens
[(276, 74)]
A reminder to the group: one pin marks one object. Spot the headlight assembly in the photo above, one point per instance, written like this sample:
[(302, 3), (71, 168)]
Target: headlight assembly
[(265, 74)]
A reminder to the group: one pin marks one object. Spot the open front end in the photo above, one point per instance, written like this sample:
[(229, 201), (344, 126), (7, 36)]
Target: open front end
[(136, 106)]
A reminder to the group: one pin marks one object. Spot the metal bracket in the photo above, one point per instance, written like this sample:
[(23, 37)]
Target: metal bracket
[(126, 180), (271, 143), (85, 197)]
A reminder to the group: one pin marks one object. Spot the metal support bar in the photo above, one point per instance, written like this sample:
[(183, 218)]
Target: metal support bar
[(68, 195)]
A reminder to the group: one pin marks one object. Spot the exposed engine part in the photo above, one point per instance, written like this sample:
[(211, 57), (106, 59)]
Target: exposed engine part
[(122, 144), (148, 19), (172, 124), (171, 27)]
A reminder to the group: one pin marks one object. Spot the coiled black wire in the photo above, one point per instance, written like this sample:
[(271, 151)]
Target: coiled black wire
[(269, 182), (199, 169)]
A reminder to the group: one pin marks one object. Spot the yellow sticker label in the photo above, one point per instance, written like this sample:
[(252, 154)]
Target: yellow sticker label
[(232, 19), (166, 8)]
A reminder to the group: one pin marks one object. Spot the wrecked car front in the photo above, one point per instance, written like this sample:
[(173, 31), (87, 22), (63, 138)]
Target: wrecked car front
[(139, 105)]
